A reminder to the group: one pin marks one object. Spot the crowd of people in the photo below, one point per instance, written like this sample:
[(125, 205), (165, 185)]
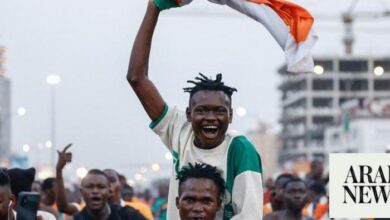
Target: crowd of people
[(202, 192)]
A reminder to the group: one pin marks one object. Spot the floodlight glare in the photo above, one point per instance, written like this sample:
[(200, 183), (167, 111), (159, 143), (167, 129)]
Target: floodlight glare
[(318, 69), (378, 71)]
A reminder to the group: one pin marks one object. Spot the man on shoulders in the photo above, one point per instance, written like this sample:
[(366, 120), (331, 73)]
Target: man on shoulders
[(200, 133)]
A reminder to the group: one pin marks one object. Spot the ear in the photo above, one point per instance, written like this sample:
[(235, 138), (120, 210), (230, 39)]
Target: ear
[(12, 202), (231, 115), (188, 114), (177, 202), (219, 203), (11, 207)]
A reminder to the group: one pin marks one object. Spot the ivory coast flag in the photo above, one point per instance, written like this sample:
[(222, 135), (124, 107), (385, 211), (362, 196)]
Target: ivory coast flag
[(289, 24)]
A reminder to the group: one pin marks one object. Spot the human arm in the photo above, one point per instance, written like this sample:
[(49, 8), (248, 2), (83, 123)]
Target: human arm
[(247, 189), (64, 157), (137, 74), (247, 196)]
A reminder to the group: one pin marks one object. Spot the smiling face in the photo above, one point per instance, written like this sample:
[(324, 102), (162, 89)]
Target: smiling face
[(198, 199), (210, 114), (95, 191)]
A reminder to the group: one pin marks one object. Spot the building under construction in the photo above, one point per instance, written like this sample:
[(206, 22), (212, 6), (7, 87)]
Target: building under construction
[(312, 102)]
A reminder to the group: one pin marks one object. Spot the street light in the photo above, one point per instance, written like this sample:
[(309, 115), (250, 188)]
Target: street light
[(168, 156), (22, 111), (52, 81), (156, 167), (241, 111), (378, 71), (26, 148), (81, 172), (318, 69)]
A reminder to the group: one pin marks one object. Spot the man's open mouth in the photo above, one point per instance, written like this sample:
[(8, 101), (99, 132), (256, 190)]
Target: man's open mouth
[(196, 218), (210, 131), (96, 200)]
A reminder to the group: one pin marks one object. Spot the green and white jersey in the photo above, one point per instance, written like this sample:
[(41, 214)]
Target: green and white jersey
[(236, 157)]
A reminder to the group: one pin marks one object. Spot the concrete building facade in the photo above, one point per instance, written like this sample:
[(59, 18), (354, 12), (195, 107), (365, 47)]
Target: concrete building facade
[(5, 114), (311, 102), (268, 144), (366, 129)]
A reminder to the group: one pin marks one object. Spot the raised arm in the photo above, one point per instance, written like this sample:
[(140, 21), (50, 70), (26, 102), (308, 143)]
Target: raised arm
[(61, 200), (137, 74)]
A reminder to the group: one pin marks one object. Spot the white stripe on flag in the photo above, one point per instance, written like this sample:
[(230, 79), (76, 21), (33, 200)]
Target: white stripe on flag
[(298, 56)]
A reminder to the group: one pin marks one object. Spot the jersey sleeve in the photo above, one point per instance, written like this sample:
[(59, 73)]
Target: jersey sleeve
[(247, 186), (169, 127)]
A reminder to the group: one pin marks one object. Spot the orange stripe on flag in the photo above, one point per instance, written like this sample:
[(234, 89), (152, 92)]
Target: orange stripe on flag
[(297, 18)]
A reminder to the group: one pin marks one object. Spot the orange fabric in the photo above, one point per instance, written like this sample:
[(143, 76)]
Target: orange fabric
[(305, 210), (267, 208), (320, 211), (297, 18), (266, 197), (146, 202), (142, 208), (82, 205), (54, 206)]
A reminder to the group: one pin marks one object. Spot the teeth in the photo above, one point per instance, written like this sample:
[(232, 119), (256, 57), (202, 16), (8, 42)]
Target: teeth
[(210, 127)]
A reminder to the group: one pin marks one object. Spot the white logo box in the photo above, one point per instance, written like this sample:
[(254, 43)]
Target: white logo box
[(340, 168)]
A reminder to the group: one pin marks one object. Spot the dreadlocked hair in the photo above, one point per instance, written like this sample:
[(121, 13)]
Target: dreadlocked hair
[(205, 83), (202, 170)]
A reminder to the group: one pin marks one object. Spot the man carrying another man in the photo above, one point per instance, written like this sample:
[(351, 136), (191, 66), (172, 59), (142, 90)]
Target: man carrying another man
[(200, 133)]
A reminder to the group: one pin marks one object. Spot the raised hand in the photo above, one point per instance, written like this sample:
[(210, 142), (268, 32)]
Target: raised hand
[(64, 157), (63, 205)]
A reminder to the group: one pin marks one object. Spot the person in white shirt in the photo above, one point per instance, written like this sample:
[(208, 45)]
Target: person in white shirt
[(199, 133)]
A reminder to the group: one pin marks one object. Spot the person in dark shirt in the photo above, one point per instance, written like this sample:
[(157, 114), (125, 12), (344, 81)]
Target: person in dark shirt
[(295, 195), (95, 188)]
